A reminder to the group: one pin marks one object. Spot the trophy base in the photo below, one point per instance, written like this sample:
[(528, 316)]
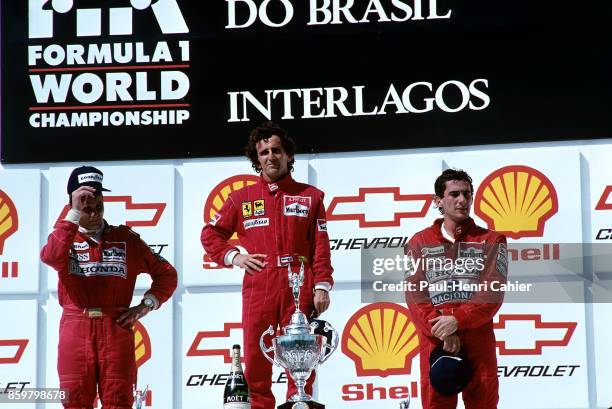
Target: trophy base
[(301, 405)]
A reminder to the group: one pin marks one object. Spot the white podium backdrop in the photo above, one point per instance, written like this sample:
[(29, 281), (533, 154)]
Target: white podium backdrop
[(20, 204), (551, 356)]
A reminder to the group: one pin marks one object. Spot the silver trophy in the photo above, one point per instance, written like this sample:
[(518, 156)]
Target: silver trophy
[(139, 396), (299, 350)]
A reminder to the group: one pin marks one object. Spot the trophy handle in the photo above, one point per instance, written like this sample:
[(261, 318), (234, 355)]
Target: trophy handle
[(266, 350), (334, 344), (313, 326)]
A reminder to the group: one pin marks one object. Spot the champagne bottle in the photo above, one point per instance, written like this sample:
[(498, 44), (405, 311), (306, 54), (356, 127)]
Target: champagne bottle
[(236, 394)]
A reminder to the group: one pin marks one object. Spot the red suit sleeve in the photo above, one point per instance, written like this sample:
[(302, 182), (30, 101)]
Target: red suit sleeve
[(321, 260), (57, 250), (485, 304), (218, 231), (417, 299), (162, 273)]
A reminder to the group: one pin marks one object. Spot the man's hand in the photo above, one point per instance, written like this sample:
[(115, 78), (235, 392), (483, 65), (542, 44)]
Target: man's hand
[(250, 262), (321, 301), (80, 196), (129, 318), (452, 344), (443, 326)]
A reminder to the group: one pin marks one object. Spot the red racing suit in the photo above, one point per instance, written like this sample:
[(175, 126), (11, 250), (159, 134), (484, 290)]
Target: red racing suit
[(474, 310), (285, 221), (96, 285)]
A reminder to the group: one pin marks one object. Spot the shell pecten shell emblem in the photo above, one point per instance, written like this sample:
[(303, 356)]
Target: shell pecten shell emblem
[(9, 221), (219, 194), (381, 339), (516, 201), (142, 344)]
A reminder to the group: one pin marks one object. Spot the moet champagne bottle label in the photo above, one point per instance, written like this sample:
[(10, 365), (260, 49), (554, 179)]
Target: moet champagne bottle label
[(236, 394)]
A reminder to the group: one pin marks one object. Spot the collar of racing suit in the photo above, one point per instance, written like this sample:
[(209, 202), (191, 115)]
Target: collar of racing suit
[(460, 231), (281, 184), (94, 234)]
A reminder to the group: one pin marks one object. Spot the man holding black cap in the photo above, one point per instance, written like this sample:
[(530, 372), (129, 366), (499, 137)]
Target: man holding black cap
[(454, 322), (97, 265)]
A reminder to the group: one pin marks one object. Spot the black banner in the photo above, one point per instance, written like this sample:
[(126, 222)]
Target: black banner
[(86, 80)]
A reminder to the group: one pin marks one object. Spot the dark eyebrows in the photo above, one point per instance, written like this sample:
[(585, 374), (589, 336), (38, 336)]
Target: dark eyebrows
[(98, 207), (274, 149)]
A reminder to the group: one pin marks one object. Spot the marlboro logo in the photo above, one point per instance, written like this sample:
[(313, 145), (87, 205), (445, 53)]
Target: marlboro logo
[(297, 206)]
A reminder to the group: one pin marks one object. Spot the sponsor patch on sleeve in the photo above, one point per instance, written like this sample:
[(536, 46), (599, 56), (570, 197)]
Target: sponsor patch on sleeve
[(114, 251), (247, 209), (215, 219), (501, 261), (80, 245), (471, 249), (432, 251), (259, 208), (296, 206), (249, 224), (321, 224), (82, 257)]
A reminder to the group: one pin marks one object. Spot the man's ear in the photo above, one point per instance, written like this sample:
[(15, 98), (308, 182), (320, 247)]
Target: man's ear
[(436, 200)]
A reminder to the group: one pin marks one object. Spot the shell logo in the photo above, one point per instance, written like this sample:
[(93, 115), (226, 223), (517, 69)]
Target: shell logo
[(516, 201), (215, 201), (219, 194), (381, 339), (142, 344), (9, 222)]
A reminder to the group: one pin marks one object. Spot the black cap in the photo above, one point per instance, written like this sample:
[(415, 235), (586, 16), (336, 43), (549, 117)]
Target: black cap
[(86, 176), (320, 330), (448, 374)]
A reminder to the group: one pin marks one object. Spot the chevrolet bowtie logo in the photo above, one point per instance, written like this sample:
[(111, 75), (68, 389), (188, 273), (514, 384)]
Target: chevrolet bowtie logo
[(213, 340), (379, 207), (8, 353), (604, 203), (537, 333), (131, 214)]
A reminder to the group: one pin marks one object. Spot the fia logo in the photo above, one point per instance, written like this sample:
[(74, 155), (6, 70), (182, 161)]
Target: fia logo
[(89, 20)]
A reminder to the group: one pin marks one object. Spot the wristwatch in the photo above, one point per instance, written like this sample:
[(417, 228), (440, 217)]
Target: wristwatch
[(148, 302)]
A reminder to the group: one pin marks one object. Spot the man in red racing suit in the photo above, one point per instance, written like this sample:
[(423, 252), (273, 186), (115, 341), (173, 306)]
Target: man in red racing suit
[(97, 266), (443, 304), (279, 222)]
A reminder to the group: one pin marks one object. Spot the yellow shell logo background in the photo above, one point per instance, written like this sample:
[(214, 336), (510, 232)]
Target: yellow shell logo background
[(516, 201), (219, 194), (142, 344), (9, 222), (381, 339)]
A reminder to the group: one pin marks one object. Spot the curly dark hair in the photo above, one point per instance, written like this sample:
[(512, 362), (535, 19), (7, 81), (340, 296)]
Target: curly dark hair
[(451, 174), (264, 132)]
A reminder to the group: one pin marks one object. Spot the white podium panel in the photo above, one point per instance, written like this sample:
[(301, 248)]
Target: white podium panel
[(19, 231)]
